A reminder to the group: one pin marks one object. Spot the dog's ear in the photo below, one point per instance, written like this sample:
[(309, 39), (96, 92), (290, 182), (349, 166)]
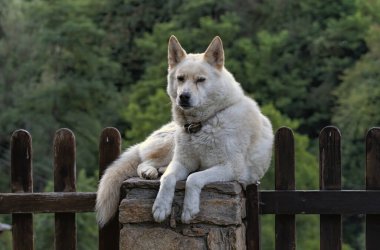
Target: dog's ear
[(175, 52), (214, 54)]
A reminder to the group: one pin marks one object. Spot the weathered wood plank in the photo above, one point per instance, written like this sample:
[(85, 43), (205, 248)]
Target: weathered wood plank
[(285, 180), (330, 179), (109, 150), (373, 183), (22, 182), (253, 217), (48, 202), (64, 181), (345, 202)]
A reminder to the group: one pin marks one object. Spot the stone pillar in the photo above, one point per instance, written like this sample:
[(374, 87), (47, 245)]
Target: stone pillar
[(219, 224)]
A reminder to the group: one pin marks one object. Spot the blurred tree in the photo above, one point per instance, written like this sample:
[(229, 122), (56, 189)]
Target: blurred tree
[(126, 20), (301, 49), (68, 83), (359, 99), (20, 65), (357, 111)]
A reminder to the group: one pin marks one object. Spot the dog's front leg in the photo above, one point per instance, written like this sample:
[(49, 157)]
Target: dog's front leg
[(163, 203), (194, 184)]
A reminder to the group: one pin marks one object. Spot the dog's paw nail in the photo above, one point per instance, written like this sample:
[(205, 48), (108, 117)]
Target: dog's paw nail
[(159, 215), (149, 174), (185, 218), (160, 212), (188, 215)]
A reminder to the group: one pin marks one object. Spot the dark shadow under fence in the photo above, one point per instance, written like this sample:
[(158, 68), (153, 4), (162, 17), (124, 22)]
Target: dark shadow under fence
[(330, 202)]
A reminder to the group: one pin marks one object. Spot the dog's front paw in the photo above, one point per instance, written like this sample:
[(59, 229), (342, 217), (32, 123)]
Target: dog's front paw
[(189, 213), (147, 172), (161, 210), (150, 174)]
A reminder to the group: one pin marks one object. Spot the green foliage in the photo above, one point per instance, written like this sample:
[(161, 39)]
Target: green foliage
[(19, 47), (300, 50), (306, 163), (359, 99), (57, 74)]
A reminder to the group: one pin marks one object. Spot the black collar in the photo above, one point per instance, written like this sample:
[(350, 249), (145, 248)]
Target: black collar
[(192, 128)]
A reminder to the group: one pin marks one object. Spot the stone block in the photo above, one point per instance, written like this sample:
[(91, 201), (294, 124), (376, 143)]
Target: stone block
[(134, 237), (219, 224)]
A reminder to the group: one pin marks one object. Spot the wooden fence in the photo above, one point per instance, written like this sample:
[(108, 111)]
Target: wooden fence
[(285, 202), (330, 201), (64, 201)]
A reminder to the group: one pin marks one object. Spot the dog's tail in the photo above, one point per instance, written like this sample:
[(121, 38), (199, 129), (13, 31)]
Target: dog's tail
[(108, 194)]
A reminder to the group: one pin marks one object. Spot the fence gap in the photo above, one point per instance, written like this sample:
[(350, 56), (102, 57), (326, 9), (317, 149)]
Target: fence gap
[(64, 181), (22, 182), (253, 218), (109, 150), (373, 183), (285, 180), (330, 174)]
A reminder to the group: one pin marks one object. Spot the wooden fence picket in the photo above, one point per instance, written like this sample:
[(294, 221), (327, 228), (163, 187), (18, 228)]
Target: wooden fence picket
[(65, 181), (373, 183), (253, 218), (285, 180), (330, 179), (109, 150), (22, 182)]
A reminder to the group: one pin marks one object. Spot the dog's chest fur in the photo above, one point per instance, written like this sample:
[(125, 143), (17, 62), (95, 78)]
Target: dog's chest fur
[(209, 145)]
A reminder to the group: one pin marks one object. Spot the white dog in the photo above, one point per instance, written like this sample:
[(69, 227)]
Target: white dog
[(217, 134)]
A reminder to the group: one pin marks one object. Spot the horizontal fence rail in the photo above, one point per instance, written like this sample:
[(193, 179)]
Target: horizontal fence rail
[(345, 202), (47, 202), (330, 202), (320, 202)]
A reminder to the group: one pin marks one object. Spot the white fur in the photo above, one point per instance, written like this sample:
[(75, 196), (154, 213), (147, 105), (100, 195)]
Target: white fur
[(236, 139), (143, 160), (235, 142)]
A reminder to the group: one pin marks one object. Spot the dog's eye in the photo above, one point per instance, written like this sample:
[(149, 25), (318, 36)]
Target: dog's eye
[(201, 79), (180, 78)]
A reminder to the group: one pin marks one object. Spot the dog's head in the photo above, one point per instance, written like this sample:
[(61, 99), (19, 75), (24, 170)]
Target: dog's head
[(193, 78)]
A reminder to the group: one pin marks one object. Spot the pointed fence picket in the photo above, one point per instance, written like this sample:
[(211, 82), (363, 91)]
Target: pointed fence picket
[(109, 150), (22, 182)]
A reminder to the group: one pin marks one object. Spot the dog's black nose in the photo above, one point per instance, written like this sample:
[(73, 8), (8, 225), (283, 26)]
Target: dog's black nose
[(184, 97), (184, 100)]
